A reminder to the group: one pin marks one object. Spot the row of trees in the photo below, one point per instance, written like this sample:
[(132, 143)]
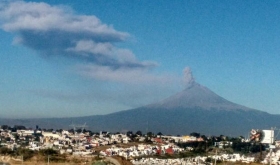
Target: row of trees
[(27, 153)]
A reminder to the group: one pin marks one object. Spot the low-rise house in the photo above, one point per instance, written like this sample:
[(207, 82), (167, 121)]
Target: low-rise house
[(25, 132)]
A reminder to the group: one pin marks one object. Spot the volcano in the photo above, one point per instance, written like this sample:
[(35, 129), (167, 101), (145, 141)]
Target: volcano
[(197, 96), (195, 109)]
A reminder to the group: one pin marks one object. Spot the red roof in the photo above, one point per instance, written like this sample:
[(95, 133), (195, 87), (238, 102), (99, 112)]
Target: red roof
[(169, 151)]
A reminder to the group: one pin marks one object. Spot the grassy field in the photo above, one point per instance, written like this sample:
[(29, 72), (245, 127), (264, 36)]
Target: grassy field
[(71, 160)]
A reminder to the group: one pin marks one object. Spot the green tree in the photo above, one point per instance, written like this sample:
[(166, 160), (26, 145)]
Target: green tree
[(48, 151), (195, 134), (159, 134), (139, 133), (129, 133), (5, 127), (26, 153), (150, 134), (5, 151), (20, 127), (53, 155), (208, 160)]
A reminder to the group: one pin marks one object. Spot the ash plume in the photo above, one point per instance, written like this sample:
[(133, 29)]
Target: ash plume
[(188, 78)]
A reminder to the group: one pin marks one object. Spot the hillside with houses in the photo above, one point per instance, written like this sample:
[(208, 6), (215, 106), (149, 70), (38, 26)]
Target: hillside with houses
[(20, 144)]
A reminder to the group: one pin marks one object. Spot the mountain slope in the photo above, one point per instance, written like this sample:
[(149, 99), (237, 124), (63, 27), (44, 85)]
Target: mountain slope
[(195, 109), (196, 95)]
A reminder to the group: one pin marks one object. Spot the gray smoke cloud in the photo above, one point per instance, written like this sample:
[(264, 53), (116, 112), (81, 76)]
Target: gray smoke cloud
[(188, 78), (59, 31)]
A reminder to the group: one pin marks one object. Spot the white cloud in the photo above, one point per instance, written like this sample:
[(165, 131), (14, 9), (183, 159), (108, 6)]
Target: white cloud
[(132, 75), (103, 51), (88, 47), (41, 17), (54, 29), (57, 30)]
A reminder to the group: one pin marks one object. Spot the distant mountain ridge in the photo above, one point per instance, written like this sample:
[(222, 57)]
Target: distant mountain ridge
[(195, 109)]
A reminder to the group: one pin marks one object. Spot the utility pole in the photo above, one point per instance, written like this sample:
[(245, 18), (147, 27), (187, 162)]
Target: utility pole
[(216, 157), (260, 151)]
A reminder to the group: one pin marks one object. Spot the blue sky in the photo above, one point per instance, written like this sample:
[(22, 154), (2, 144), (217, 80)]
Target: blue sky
[(78, 58)]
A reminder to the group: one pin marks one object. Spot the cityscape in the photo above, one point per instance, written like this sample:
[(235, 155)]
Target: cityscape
[(80, 146)]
